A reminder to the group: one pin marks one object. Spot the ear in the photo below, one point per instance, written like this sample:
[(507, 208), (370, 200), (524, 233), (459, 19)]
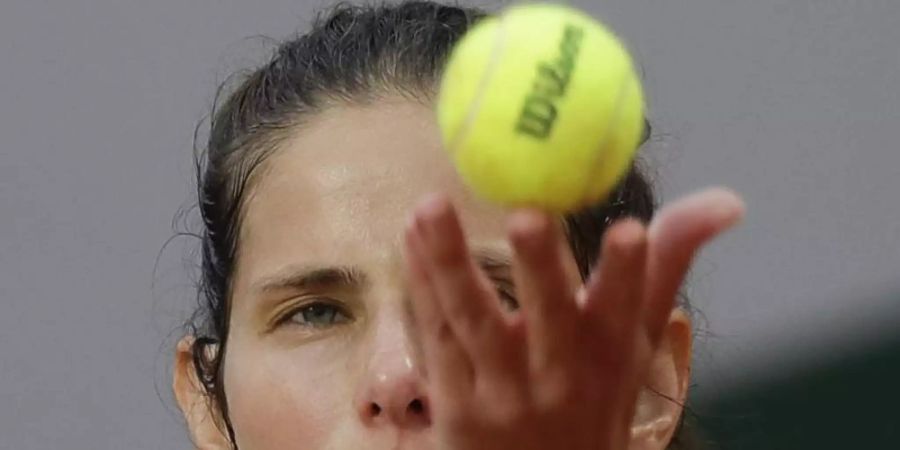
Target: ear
[(660, 403), (202, 420)]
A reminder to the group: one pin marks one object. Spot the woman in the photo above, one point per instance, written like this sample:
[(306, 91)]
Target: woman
[(356, 296)]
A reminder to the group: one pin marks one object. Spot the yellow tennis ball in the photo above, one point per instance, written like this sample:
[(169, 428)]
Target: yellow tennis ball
[(541, 106)]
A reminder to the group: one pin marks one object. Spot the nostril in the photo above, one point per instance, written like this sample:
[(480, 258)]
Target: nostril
[(416, 407), (375, 409)]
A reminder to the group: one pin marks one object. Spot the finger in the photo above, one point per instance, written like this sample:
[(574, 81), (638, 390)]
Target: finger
[(546, 279), (467, 298), (674, 237), (613, 303), (446, 361), (614, 294)]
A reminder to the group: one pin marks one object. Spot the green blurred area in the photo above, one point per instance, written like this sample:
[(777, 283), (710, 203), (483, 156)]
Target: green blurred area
[(852, 402)]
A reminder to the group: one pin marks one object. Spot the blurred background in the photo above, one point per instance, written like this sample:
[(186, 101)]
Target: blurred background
[(794, 103)]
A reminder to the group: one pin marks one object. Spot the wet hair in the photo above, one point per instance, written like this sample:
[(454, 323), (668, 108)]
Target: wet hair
[(353, 55)]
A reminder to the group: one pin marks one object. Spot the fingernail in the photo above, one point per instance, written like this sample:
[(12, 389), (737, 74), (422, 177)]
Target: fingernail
[(529, 230), (730, 207), (528, 222), (433, 209)]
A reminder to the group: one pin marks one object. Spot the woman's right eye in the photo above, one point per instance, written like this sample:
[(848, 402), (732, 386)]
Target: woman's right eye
[(318, 315)]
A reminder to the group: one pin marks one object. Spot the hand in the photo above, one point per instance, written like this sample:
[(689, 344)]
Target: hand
[(566, 371)]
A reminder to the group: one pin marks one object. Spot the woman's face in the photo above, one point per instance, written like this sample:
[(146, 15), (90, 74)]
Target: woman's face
[(322, 351)]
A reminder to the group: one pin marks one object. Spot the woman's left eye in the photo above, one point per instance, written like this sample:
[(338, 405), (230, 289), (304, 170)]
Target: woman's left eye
[(319, 315), (506, 292)]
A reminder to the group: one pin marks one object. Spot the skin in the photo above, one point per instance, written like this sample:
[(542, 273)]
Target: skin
[(410, 344)]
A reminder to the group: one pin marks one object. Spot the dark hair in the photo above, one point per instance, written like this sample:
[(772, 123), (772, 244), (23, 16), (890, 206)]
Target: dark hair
[(352, 55)]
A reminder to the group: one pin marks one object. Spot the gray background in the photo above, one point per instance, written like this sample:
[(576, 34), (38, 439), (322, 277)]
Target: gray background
[(792, 102)]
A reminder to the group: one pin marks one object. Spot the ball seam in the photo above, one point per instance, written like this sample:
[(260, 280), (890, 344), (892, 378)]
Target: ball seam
[(489, 73)]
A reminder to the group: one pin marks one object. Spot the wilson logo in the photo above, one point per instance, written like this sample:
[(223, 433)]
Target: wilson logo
[(540, 110)]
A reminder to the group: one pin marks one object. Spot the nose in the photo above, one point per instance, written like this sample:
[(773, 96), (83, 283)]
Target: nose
[(392, 392), (395, 400)]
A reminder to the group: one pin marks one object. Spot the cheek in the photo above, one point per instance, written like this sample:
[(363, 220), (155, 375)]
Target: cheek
[(284, 398)]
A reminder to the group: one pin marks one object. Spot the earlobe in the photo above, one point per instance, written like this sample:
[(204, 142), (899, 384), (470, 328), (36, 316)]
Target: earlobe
[(194, 403), (661, 402)]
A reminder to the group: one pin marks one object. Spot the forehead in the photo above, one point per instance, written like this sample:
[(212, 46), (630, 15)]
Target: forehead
[(342, 186)]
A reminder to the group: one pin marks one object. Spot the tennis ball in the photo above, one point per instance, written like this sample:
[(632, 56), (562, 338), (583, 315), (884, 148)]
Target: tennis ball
[(540, 106)]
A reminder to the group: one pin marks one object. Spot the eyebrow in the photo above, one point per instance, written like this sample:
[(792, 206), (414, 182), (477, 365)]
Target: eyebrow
[(312, 278), (298, 279), (491, 260)]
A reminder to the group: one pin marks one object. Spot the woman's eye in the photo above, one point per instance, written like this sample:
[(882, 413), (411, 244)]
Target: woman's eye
[(507, 295), (319, 315)]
